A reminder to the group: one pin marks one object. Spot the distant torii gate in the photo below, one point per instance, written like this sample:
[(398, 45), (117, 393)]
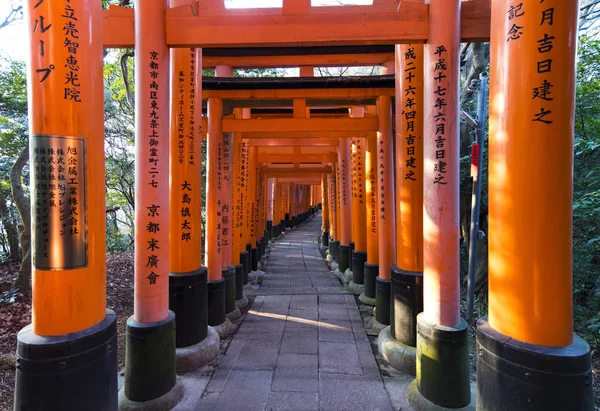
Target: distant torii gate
[(406, 242)]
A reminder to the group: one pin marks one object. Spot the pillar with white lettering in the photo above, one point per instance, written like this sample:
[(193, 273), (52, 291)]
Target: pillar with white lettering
[(530, 326), (325, 211), (66, 153), (441, 333), (397, 343)]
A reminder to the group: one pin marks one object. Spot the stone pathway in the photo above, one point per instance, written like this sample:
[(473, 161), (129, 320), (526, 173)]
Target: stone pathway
[(302, 345)]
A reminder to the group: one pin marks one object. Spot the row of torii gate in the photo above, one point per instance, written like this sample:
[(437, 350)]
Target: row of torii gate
[(379, 155)]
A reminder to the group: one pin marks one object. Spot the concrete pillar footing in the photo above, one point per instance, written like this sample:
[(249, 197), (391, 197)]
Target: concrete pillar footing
[(235, 314), (335, 266), (198, 355), (241, 303), (400, 356), (348, 274), (375, 325), (357, 289), (164, 402), (226, 328), (366, 300)]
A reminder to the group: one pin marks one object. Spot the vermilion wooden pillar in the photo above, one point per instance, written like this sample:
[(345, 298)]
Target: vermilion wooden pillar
[(359, 210), (226, 210), (345, 202), (407, 276), (386, 204), (187, 277), (324, 211), (441, 333), (530, 328), (66, 154)]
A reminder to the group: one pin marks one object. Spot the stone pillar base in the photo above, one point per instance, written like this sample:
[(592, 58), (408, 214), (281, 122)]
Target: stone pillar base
[(344, 257), (442, 367), (226, 328), (400, 356), (366, 300), (242, 303), (357, 289), (375, 325), (68, 372), (235, 314), (531, 377), (198, 355)]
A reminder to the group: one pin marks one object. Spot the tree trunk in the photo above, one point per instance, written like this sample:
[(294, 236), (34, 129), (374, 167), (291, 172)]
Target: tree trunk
[(9, 227), (23, 280), (477, 58)]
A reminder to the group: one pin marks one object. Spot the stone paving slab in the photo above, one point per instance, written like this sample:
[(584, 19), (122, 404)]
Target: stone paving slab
[(302, 344)]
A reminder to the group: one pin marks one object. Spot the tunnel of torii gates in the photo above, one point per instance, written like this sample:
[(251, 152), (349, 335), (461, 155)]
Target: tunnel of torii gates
[(378, 155)]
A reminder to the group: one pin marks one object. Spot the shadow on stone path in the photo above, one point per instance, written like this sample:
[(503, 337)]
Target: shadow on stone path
[(302, 345)]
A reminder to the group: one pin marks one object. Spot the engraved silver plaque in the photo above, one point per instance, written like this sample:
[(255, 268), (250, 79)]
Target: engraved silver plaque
[(59, 202)]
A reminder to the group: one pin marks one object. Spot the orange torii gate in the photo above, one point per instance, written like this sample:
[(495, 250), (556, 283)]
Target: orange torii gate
[(410, 204)]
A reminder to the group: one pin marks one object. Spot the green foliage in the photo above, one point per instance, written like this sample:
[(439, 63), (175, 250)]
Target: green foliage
[(586, 198)]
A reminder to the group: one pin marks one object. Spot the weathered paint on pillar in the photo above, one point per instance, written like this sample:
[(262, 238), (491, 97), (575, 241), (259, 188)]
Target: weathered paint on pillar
[(68, 242), (441, 105), (532, 94), (409, 157), (185, 223), (151, 297), (371, 199), (344, 191), (214, 177), (358, 176), (385, 177)]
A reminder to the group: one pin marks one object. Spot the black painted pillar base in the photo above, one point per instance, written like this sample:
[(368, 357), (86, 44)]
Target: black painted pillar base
[(254, 259), (287, 221), (371, 273), (383, 290), (336, 251), (149, 359), (269, 230), (188, 300), (344, 257), (350, 253), (442, 368), (76, 371), (245, 260), (359, 258), (261, 248), (531, 377), (216, 302), (239, 282), (229, 277), (407, 303), (325, 239)]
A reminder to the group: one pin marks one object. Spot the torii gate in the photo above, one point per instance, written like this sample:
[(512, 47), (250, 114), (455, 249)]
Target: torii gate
[(409, 217)]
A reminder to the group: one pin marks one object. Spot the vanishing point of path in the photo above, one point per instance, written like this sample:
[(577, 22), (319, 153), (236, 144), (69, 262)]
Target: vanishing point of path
[(302, 345)]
